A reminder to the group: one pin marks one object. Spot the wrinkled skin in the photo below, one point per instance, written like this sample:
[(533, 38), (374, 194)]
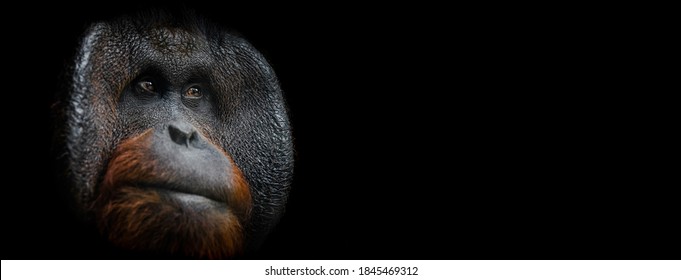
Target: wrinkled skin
[(174, 138)]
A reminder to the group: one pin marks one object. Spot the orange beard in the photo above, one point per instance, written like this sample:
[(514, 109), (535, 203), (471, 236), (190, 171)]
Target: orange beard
[(152, 221)]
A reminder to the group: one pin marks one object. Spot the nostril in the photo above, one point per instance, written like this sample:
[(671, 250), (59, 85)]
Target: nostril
[(187, 137), (178, 136), (193, 137)]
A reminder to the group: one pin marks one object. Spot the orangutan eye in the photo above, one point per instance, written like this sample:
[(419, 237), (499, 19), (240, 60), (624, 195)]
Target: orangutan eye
[(193, 92), (145, 86)]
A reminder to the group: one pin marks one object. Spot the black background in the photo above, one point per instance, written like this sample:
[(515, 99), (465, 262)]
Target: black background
[(420, 132)]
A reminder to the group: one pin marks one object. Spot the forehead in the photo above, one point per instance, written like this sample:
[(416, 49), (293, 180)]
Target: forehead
[(173, 40), (174, 51)]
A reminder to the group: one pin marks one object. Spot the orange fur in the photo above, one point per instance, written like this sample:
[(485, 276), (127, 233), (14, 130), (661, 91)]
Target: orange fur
[(145, 220)]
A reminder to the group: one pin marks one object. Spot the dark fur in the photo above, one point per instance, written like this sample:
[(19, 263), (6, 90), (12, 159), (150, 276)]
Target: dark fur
[(247, 120)]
